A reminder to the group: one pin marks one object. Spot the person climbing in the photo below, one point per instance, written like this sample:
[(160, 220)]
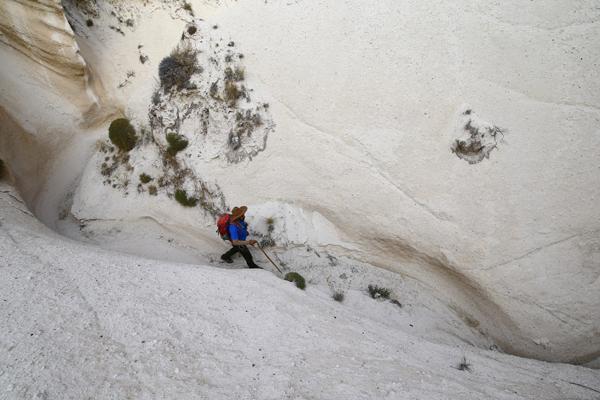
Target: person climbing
[(237, 234)]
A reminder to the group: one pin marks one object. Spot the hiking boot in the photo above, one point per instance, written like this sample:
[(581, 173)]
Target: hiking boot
[(255, 266), (226, 259)]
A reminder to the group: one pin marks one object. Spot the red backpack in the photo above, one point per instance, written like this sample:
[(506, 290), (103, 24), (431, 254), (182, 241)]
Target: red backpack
[(223, 226)]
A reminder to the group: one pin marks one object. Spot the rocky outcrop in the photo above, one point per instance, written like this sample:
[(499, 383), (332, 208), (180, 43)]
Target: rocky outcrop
[(39, 31)]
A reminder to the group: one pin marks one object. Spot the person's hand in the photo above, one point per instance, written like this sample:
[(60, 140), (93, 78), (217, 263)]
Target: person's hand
[(252, 242)]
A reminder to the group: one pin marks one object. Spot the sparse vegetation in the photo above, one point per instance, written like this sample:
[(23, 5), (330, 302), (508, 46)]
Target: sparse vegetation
[(228, 74), (396, 302), (152, 190), (464, 365), (87, 7), (338, 296), (481, 141), (145, 178), (177, 69), (297, 278), (214, 91), (239, 74), (232, 93), (267, 242), (188, 7), (183, 199), (379, 292), (116, 29), (270, 224), (122, 134), (89, 22), (176, 143)]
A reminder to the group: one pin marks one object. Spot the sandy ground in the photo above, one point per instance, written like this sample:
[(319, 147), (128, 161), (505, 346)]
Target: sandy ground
[(80, 322)]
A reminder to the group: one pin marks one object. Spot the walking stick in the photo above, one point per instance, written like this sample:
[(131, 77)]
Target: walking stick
[(269, 258)]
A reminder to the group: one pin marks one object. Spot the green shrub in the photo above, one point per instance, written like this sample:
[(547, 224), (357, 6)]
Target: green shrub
[(145, 178), (176, 143), (377, 292), (122, 134), (338, 296), (178, 68), (183, 199), (297, 278)]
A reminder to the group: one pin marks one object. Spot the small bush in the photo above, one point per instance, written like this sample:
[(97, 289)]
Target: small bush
[(176, 143), (192, 30), (239, 74), (188, 7), (377, 292), (89, 22), (177, 69), (297, 278), (122, 134), (338, 296), (183, 199), (464, 365), (152, 190), (145, 178), (232, 93)]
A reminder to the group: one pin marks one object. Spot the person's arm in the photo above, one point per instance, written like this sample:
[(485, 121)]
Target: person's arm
[(251, 242)]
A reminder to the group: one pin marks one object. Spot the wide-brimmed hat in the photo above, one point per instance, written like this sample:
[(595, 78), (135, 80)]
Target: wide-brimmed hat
[(237, 212)]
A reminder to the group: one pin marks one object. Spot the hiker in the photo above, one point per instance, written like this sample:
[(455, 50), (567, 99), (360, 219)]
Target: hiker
[(237, 231)]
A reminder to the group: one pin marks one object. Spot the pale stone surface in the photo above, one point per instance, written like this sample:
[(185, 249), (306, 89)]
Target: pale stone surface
[(368, 100)]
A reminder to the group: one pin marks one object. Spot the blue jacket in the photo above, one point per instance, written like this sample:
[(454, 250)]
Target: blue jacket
[(238, 230)]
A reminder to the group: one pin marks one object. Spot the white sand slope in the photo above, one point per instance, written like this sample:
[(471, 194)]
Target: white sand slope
[(79, 322)]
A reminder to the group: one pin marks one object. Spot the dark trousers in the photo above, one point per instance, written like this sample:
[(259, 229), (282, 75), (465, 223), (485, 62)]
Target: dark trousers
[(245, 253)]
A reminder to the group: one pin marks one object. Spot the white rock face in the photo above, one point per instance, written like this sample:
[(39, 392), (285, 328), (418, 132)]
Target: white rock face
[(369, 103), (48, 94)]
